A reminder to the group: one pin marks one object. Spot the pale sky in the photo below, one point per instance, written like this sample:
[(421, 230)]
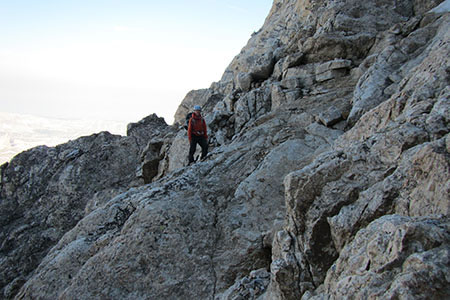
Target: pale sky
[(117, 59)]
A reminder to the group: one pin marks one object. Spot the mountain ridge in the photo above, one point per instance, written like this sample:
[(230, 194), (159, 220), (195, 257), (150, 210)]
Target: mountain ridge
[(328, 175)]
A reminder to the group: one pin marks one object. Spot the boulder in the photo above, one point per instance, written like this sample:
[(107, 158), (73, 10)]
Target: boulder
[(332, 69), (331, 116), (244, 81), (150, 127)]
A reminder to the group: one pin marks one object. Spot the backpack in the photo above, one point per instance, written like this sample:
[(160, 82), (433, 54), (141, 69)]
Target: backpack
[(186, 123)]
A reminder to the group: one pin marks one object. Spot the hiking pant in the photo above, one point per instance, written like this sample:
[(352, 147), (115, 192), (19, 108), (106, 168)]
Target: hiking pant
[(201, 140)]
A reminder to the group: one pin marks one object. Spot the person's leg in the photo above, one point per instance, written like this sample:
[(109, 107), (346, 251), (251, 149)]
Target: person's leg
[(193, 145), (204, 145)]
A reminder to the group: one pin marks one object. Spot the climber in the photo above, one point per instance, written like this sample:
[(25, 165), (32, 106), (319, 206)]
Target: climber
[(197, 134)]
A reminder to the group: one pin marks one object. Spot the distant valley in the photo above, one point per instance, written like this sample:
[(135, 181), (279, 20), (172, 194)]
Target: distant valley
[(21, 132)]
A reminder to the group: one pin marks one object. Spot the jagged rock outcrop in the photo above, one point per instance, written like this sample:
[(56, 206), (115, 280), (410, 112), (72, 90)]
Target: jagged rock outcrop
[(151, 127), (393, 257), (154, 138), (46, 191), (328, 175)]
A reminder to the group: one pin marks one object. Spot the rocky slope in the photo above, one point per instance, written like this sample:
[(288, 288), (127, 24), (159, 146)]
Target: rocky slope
[(328, 176)]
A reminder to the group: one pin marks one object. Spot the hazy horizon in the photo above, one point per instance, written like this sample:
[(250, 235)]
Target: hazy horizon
[(120, 60), (20, 132)]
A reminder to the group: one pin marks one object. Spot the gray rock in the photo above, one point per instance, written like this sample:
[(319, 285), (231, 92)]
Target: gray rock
[(442, 8), (332, 69), (283, 207), (150, 160), (244, 81), (293, 60), (221, 127), (146, 129), (335, 64), (46, 191), (263, 66), (304, 73), (251, 106), (394, 256), (330, 74), (331, 116), (176, 155), (249, 287), (291, 83), (278, 96), (370, 89)]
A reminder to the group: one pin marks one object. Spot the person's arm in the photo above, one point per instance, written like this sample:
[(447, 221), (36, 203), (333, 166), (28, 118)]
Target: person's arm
[(190, 130)]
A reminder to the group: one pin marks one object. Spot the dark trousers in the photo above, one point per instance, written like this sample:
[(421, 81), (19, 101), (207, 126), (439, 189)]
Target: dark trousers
[(193, 145)]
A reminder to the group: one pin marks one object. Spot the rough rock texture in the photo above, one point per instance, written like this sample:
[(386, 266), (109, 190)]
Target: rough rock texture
[(328, 175), (151, 127), (154, 137), (46, 191), (393, 257)]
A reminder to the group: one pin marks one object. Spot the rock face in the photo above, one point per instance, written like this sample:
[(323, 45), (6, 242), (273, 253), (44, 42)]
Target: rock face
[(328, 175), (46, 191)]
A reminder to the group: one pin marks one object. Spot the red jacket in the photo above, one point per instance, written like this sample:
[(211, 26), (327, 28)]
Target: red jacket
[(197, 127)]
